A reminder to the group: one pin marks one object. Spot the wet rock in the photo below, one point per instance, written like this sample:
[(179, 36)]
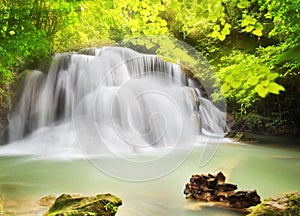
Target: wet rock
[(47, 200), (102, 205), (226, 187), (240, 137), (212, 188), (244, 199), (288, 204)]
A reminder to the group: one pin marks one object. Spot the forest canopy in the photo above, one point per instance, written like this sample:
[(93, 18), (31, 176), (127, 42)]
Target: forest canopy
[(253, 45)]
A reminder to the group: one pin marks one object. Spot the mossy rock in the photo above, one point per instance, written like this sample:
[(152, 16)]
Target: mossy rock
[(241, 137), (286, 205), (99, 205)]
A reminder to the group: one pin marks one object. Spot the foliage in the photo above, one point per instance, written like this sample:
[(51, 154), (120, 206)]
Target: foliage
[(254, 122), (27, 29), (285, 16), (245, 77), (252, 44)]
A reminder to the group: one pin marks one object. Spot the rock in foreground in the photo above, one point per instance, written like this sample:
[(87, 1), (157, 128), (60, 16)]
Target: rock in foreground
[(212, 188), (99, 205), (286, 205)]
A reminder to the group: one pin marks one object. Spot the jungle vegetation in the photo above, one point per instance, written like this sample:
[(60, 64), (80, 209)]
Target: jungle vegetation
[(253, 45)]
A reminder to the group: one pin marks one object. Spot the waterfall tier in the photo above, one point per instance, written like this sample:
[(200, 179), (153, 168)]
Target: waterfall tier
[(130, 100)]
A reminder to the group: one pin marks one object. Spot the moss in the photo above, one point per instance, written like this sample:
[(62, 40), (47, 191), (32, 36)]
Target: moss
[(286, 205), (100, 205)]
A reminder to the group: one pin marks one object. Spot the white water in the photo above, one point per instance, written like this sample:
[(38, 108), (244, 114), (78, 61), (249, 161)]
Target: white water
[(111, 100), (120, 101)]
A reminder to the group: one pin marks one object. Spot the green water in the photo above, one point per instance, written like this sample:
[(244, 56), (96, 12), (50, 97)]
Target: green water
[(270, 169)]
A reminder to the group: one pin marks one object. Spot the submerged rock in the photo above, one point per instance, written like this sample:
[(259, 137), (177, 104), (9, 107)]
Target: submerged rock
[(286, 205), (100, 205), (48, 200), (212, 188)]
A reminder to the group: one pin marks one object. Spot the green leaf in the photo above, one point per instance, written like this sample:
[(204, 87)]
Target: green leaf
[(215, 34), (252, 81), (235, 84), (259, 26), (249, 28), (261, 90), (245, 22), (221, 37), (272, 76), (275, 88), (265, 83), (243, 4), (226, 29), (248, 20), (257, 32), (229, 79), (225, 87), (217, 28)]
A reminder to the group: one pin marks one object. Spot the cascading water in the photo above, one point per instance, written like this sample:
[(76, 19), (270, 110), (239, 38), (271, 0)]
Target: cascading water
[(134, 101), (114, 100)]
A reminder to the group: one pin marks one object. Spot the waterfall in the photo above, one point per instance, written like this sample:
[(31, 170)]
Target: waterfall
[(130, 100)]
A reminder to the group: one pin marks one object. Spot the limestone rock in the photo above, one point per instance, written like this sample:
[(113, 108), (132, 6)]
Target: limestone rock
[(288, 204), (99, 205)]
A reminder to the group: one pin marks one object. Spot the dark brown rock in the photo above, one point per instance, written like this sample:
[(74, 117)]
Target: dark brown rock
[(244, 199), (212, 188), (226, 187)]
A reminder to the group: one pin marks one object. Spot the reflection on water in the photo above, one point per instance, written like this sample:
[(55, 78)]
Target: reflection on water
[(24, 179)]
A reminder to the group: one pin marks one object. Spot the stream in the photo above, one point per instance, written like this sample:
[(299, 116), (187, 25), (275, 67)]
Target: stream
[(112, 120), (271, 168)]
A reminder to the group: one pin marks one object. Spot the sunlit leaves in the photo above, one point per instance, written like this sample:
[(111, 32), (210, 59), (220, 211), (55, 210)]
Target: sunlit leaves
[(243, 4), (285, 16), (140, 17), (262, 90), (245, 78), (221, 34), (258, 29), (268, 87), (251, 24), (248, 20)]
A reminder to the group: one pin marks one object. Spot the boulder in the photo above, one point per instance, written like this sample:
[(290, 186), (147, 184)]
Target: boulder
[(99, 205), (244, 199), (288, 204), (212, 188)]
